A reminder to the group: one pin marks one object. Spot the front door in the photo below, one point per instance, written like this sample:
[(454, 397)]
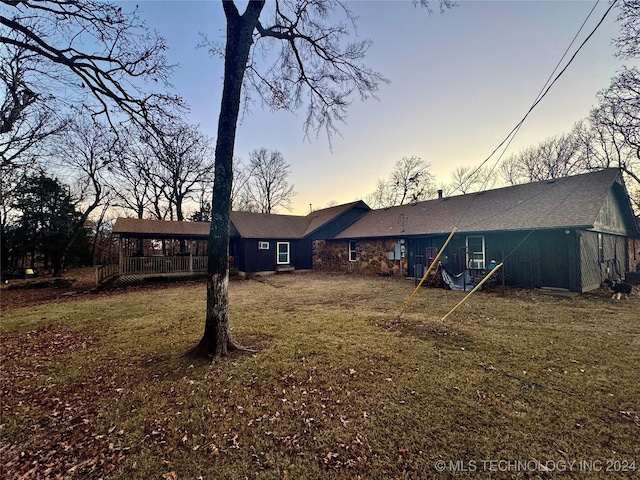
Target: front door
[(282, 253), (475, 252)]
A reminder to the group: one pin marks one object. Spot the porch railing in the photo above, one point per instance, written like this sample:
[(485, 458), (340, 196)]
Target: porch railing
[(159, 265), (105, 272)]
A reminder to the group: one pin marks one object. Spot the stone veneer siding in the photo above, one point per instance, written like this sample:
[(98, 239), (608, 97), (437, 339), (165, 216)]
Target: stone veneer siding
[(372, 257)]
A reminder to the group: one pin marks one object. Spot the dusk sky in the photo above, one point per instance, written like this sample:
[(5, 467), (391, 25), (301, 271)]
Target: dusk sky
[(460, 81)]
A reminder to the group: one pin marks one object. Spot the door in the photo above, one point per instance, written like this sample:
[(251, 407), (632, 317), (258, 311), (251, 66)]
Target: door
[(282, 253), (556, 262)]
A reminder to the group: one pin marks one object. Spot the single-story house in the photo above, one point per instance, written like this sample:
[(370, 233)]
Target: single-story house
[(262, 242), (259, 242), (569, 233)]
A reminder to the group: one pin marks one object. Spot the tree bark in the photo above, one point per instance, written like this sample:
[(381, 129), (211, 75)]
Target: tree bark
[(217, 339)]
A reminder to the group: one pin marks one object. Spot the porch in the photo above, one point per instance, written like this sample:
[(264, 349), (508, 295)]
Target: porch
[(151, 250), (140, 268)]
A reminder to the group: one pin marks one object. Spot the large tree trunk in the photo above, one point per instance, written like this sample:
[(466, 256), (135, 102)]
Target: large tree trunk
[(217, 339)]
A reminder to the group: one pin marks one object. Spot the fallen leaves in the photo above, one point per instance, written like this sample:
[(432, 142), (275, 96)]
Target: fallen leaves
[(58, 435), (349, 457)]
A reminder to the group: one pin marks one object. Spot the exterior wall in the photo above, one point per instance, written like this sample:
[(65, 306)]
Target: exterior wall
[(531, 260), (421, 251), (590, 270), (576, 260), (520, 253), (559, 259), (372, 257), (249, 258), (611, 218), (602, 257)]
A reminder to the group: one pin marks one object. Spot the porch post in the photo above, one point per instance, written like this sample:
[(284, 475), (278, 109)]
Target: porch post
[(120, 260)]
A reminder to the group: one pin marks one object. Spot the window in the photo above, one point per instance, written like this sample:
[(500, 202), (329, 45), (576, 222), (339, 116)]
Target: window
[(352, 251), (263, 245), (283, 253), (475, 252), (600, 248)]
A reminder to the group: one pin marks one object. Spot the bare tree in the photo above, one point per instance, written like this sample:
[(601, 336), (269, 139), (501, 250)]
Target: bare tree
[(554, 157), (77, 57), (240, 196), (310, 61), (410, 181), (628, 40), (60, 58), (603, 142), (129, 175), (620, 107), (26, 120), (609, 137), (381, 197), (183, 163), (466, 179), (84, 153), (267, 187), (93, 52), (97, 228), (18, 97), (602, 145), (622, 98)]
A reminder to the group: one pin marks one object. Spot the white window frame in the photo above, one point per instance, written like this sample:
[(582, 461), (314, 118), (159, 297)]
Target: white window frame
[(263, 246), (353, 250), (288, 253), (600, 247), (472, 262)]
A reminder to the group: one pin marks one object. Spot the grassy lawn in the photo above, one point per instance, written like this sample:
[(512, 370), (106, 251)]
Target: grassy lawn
[(506, 387)]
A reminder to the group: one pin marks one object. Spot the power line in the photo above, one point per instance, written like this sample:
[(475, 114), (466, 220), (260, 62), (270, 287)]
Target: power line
[(573, 40), (547, 86), (509, 138)]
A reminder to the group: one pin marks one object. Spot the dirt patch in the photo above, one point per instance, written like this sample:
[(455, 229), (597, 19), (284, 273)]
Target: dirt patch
[(442, 335), (75, 283), (45, 288)]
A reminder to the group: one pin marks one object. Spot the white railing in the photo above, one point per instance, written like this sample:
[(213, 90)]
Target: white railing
[(199, 264), (157, 265)]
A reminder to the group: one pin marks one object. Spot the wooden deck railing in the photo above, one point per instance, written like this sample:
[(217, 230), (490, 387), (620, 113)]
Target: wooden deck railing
[(151, 266), (105, 272), (158, 265)]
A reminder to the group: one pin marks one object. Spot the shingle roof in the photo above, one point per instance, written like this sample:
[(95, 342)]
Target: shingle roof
[(319, 218), (562, 203), (160, 228), (245, 224), (266, 225), (565, 202)]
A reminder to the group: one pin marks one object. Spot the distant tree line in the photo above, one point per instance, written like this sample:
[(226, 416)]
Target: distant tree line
[(88, 135), (608, 137), (94, 171), (69, 162)]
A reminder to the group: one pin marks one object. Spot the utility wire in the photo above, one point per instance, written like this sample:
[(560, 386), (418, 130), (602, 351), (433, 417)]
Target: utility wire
[(509, 138), (575, 37), (547, 86), (545, 89)]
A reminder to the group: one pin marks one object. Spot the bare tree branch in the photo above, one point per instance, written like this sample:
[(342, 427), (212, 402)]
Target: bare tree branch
[(116, 73)]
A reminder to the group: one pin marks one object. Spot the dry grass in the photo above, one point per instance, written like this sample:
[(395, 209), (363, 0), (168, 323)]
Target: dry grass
[(340, 388)]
